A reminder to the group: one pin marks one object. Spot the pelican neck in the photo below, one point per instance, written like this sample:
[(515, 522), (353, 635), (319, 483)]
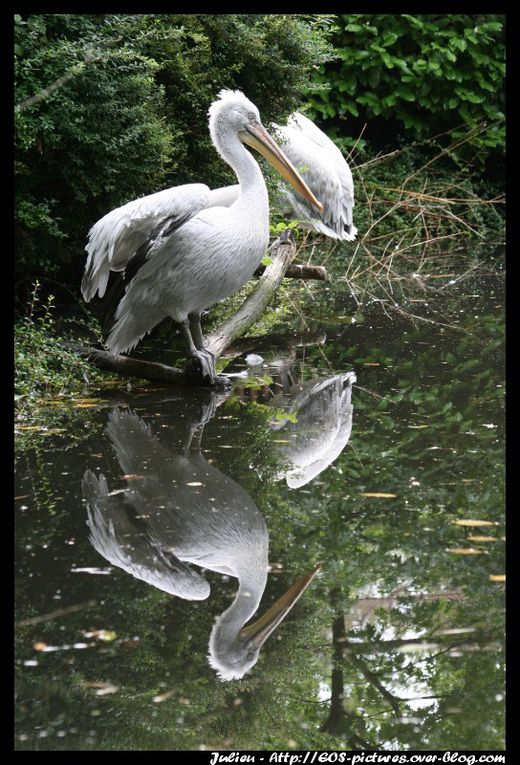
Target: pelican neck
[(245, 166), (247, 599)]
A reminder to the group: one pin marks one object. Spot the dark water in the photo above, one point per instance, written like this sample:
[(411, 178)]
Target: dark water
[(145, 520)]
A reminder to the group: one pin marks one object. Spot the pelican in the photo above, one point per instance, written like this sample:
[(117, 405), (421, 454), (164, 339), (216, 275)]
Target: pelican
[(185, 248), (322, 429), (327, 173), (184, 511)]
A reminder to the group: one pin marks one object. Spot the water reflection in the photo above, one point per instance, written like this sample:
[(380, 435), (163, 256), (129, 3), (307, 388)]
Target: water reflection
[(177, 509), (399, 643), (315, 425)]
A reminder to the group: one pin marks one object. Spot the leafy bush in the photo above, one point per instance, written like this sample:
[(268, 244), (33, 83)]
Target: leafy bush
[(111, 107), (430, 73), (43, 367)]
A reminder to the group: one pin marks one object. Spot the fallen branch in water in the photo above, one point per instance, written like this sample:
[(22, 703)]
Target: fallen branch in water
[(124, 365), (299, 271)]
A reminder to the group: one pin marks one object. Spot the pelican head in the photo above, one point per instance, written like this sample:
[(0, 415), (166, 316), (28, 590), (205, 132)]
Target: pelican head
[(233, 113), (233, 651)]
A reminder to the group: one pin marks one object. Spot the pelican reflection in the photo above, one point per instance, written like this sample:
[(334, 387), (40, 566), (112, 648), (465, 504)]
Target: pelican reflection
[(177, 510), (316, 426)]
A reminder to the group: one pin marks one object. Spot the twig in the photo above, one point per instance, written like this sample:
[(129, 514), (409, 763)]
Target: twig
[(55, 614)]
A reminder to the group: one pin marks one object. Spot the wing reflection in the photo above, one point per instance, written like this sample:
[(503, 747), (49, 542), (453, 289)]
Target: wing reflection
[(316, 427), (176, 510)]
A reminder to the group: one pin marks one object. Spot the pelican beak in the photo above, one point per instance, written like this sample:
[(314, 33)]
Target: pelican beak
[(256, 135), (258, 632)]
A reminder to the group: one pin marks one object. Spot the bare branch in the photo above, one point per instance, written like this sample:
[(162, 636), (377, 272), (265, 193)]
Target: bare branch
[(89, 58)]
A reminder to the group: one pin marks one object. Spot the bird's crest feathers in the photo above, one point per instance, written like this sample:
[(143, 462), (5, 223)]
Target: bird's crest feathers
[(225, 97)]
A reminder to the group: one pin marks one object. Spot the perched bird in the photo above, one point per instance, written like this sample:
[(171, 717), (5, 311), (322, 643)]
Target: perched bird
[(323, 167), (185, 248), (317, 427), (179, 510), (325, 170)]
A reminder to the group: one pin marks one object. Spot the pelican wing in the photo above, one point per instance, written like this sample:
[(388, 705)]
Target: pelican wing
[(225, 196), (121, 541), (114, 239), (324, 412), (134, 443), (316, 135), (324, 168)]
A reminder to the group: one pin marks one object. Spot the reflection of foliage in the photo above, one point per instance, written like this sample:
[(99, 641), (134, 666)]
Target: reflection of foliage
[(434, 441)]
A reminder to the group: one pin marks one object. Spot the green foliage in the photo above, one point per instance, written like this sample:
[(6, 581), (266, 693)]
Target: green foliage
[(279, 228), (43, 367), (430, 73), (109, 104)]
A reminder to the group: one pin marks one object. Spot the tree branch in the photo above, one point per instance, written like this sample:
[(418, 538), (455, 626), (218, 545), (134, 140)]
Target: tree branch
[(124, 365), (372, 677), (88, 58), (300, 271)]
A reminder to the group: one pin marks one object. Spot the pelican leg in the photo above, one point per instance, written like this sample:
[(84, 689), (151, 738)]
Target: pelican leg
[(202, 361), (196, 329)]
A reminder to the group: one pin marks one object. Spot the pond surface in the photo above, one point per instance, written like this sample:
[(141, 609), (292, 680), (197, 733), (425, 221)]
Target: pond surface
[(168, 592)]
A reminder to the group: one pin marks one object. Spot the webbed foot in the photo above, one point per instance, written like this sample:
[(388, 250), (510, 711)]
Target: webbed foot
[(202, 366)]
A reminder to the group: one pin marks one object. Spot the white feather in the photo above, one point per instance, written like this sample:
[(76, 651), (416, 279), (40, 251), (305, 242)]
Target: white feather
[(327, 173), (114, 239)]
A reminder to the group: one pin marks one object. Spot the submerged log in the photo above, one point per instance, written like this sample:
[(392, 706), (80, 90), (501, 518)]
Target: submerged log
[(282, 252)]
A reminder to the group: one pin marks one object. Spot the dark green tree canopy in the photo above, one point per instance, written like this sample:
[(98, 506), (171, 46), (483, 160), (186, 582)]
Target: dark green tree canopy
[(423, 73), (111, 107)]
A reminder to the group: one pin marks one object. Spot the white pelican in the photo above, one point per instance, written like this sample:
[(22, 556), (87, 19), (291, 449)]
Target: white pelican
[(179, 252), (185, 511), (327, 173), (323, 410)]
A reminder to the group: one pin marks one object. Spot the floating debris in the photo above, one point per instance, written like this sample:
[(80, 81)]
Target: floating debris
[(253, 358), (101, 689), (465, 550), (378, 494), (107, 635), (162, 697)]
